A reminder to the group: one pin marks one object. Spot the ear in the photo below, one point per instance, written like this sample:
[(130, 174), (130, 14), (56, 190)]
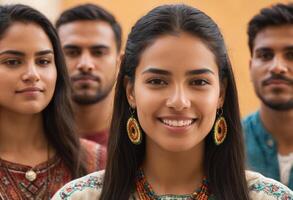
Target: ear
[(129, 87), (223, 87), (250, 63), (118, 62), (119, 58)]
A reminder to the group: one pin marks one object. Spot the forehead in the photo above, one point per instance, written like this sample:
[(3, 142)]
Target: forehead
[(86, 32), (274, 37), (178, 52), (19, 35)]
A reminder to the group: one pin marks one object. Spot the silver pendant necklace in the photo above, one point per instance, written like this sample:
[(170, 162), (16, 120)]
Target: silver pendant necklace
[(30, 175)]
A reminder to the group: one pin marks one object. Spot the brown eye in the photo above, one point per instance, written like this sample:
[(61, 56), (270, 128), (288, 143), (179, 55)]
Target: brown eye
[(72, 52), (265, 55), (199, 82), (157, 82), (289, 55), (43, 62), (12, 62), (97, 53)]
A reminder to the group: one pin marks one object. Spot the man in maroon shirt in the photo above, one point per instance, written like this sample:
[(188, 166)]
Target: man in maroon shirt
[(91, 40)]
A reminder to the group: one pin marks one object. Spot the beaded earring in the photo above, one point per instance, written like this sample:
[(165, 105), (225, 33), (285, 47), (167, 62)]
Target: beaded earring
[(220, 128), (133, 129)]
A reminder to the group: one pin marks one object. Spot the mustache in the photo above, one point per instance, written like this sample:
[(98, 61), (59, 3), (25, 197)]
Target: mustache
[(84, 76), (277, 77)]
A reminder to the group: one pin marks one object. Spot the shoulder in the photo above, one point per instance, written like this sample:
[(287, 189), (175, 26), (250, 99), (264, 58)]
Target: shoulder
[(261, 188), (252, 125), (88, 187), (95, 155), (250, 119), (90, 145)]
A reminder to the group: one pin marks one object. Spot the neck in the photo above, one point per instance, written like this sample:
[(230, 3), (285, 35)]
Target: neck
[(174, 172), (279, 124), (22, 138), (94, 117)]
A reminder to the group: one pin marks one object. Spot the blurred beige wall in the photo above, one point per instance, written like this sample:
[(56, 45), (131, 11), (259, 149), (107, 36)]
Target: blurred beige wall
[(232, 17)]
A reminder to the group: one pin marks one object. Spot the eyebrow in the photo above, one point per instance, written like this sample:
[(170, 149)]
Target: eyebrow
[(100, 46), (44, 52), (13, 52), (289, 48), (199, 71), (156, 71), (72, 46), (261, 49), (19, 53), (188, 73)]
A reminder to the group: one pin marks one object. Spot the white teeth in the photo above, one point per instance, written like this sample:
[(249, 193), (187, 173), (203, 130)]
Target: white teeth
[(177, 123)]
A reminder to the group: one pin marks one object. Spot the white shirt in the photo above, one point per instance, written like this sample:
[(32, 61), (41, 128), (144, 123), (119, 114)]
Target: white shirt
[(285, 163)]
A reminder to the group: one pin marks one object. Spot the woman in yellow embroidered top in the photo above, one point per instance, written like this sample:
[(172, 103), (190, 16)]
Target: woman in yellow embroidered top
[(176, 131), (39, 151)]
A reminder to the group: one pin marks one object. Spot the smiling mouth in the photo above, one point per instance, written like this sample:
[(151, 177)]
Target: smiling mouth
[(177, 123)]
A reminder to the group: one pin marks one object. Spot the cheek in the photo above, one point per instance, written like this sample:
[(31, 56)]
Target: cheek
[(206, 106), (70, 63), (50, 77), (7, 85), (255, 77), (109, 66), (147, 104), (207, 99)]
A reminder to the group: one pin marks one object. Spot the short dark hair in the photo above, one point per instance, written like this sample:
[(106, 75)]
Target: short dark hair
[(224, 164), (58, 115), (276, 15), (91, 12)]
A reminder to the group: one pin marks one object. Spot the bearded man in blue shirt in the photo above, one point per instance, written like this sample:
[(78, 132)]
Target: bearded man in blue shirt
[(269, 131)]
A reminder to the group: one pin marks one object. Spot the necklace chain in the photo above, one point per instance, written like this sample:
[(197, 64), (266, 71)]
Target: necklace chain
[(145, 191), (31, 175)]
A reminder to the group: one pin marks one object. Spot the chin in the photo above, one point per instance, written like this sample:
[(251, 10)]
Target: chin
[(31, 109), (179, 147)]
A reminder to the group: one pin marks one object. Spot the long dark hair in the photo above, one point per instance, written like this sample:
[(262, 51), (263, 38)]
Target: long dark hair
[(58, 115), (224, 164)]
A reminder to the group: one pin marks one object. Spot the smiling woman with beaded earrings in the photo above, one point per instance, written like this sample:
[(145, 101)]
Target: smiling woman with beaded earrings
[(176, 91), (39, 151)]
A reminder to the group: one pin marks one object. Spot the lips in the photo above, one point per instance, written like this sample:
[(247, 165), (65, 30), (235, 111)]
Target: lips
[(82, 77), (29, 89), (277, 80)]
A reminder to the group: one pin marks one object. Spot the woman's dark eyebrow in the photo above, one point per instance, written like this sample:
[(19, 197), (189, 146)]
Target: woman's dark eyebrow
[(188, 73), (44, 52), (199, 71), (19, 53), (156, 71), (13, 52)]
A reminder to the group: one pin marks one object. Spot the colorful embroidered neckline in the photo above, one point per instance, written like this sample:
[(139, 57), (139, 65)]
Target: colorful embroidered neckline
[(145, 191)]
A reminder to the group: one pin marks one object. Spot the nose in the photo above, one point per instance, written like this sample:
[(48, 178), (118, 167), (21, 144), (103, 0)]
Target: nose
[(31, 75), (178, 100), (85, 63), (279, 66)]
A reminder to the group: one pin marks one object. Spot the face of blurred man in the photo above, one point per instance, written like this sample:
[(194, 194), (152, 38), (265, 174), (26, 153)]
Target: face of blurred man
[(271, 67), (91, 57)]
